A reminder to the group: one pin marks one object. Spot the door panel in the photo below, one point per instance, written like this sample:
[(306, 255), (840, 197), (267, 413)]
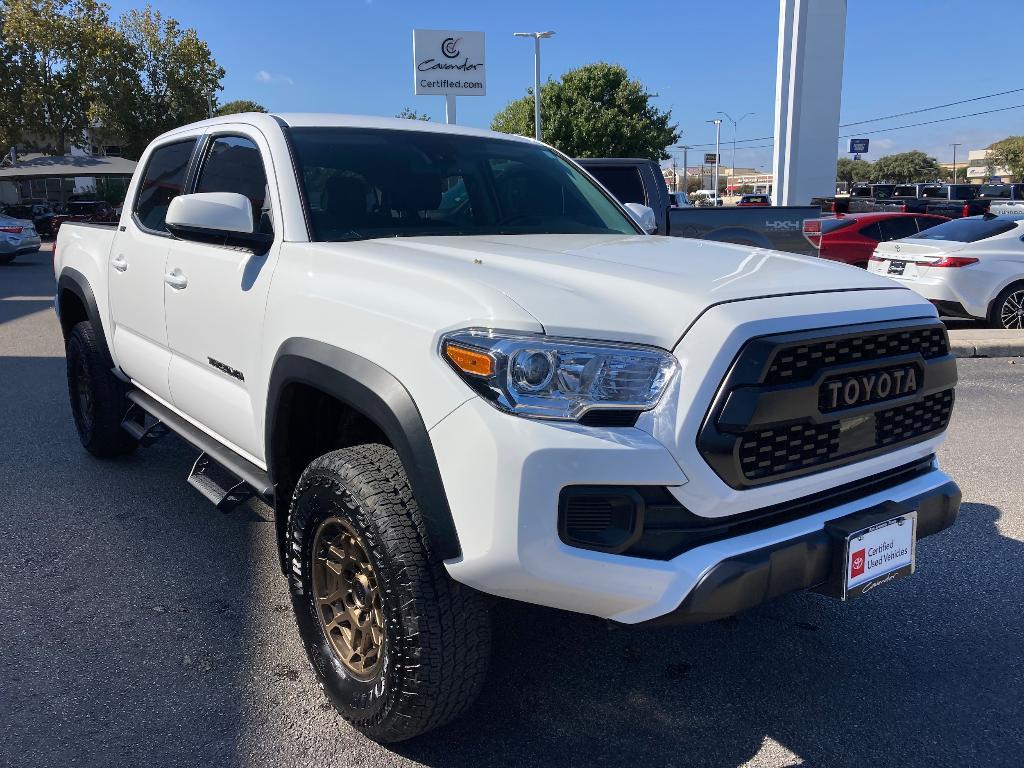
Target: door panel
[(136, 270), (215, 322)]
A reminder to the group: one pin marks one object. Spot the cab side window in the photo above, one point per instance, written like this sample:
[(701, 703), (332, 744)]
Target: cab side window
[(163, 181), (233, 164)]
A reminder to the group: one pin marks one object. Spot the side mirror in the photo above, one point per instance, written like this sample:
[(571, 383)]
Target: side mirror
[(215, 217), (643, 216)]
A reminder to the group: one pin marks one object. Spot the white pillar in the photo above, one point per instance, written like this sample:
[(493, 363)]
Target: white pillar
[(449, 108), (808, 95)]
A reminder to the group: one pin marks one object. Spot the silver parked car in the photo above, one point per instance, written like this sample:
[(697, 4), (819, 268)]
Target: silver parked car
[(16, 236)]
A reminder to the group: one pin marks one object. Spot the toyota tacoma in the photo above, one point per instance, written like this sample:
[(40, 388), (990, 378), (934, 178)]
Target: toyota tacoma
[(456, 367)]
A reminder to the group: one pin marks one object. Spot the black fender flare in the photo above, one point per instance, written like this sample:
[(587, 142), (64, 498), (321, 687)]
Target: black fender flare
[(73, 281), (369, 389)]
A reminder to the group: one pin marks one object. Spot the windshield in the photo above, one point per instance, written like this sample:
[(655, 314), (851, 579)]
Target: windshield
[(967, 230), (370, 183), (995, 190)]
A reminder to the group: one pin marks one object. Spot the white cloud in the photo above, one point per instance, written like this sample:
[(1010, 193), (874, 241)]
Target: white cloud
[(266, 77)]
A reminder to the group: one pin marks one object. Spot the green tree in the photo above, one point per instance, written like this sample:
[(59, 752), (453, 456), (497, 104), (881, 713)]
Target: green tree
[(961, 174), (906, 167), (594, 111), (238, 106), (170, 79), (53, 56), (411, 114), (850, 170), (1008, 154)]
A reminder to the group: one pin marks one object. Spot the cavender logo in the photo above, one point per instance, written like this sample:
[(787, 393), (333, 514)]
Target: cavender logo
[(865, 388)]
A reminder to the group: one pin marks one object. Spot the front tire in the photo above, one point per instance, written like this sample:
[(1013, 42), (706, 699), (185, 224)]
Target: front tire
[(397, 645), (97, 396), (1008, 309)]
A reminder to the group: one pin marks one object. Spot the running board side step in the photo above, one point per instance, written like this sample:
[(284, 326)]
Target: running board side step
[(220, 474)]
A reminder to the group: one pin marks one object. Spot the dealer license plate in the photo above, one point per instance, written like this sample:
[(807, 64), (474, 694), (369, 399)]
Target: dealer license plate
[(880, 554), (897, 267)]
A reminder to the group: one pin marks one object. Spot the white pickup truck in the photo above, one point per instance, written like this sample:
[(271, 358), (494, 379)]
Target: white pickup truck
[(454, 365)]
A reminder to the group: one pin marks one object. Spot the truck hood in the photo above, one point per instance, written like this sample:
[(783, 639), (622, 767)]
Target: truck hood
[(641, 289)]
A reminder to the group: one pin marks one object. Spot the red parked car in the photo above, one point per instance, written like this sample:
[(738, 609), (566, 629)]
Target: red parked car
[(851, 238), (94, 211)]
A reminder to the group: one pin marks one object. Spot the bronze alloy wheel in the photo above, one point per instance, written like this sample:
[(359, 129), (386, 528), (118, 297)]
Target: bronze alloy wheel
[(348, 601)]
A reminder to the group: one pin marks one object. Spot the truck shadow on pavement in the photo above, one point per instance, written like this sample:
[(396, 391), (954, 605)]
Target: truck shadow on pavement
[(140, 626), (925, 673)]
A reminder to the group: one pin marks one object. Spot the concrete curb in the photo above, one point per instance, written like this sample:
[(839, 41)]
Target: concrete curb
[(986, 343)]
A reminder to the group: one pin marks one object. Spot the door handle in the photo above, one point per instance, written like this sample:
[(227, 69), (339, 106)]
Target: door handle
[(176, 279), (119, 263)]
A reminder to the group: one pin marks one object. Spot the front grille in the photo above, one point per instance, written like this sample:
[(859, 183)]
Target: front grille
[(769, 421), (800, 362), (803, 446)]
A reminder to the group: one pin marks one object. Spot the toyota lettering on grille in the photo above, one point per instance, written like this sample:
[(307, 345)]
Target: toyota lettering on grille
[(866, 388)]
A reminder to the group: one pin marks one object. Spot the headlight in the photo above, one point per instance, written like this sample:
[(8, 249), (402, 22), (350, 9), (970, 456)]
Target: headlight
[(551, 378)]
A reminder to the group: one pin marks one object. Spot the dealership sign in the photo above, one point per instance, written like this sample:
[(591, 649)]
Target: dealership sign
[(448, 62), (711, 158), (858, 146)]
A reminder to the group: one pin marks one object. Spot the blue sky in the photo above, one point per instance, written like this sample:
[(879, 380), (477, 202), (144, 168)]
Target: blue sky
[(699, 57)]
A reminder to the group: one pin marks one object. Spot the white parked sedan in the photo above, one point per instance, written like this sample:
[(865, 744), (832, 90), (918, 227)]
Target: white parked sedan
[(971, 267)]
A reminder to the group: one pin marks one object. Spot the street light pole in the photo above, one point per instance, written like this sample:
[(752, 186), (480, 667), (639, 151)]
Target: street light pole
[(954, 161), (735, 123), (718, 156), (686, 168), (537, 36)]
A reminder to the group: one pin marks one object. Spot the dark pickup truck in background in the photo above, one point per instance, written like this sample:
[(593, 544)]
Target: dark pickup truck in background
[(860, 192), (955, 201), (638, 180), (950, 200), (1003, 198)]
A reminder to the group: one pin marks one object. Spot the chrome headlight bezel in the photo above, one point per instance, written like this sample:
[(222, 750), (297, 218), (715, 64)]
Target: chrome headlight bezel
[(585, 375)]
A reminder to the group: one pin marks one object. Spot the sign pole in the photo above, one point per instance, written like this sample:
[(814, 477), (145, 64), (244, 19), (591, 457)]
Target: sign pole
[(449, 108)]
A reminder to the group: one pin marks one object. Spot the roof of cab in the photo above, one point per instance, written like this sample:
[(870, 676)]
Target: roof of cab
[(328, 120)]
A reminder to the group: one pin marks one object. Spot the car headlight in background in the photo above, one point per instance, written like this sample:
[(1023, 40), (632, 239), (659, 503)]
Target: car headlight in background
[(551, 378)]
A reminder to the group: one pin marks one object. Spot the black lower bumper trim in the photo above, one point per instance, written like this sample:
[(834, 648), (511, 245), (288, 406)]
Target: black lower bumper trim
[(752, 578)]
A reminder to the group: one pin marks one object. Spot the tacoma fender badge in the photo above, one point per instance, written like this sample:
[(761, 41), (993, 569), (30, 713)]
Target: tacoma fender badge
[(226, 369)]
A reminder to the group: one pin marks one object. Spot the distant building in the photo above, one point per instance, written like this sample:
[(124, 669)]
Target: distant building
[(978, 171)]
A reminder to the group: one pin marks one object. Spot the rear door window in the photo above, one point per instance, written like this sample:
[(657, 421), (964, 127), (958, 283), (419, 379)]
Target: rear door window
[(871, 232), (623, 182), (898, 228), (163, 181)]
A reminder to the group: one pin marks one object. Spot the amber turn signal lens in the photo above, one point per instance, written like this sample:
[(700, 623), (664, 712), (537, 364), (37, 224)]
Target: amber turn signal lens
[(469, 360)]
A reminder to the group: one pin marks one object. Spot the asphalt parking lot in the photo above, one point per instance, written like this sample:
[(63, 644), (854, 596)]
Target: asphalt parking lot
[(140, 626)]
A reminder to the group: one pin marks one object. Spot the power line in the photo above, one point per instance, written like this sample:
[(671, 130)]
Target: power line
[(931, 109), (900, 114), (931, 122)]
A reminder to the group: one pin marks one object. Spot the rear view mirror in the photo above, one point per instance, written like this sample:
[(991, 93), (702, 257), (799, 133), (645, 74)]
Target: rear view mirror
[(643, 216), (215, 217)]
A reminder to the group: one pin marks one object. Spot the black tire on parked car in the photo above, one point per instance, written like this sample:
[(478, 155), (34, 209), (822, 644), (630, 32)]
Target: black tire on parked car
[(7, 258), (396, 644), (1008, 309), (97, 396)]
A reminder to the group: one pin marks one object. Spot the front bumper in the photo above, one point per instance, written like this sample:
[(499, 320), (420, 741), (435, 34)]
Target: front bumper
[(803, 562), (503, 475)]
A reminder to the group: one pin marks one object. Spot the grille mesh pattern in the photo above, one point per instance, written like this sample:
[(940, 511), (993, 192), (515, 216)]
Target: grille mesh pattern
[(772, 452), (898, 424), (802, 361)]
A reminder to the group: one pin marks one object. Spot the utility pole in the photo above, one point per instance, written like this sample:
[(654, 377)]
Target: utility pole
[(718, 156), (209, 105), (686, 168), (735, 123), (537, 37), (954, 161)]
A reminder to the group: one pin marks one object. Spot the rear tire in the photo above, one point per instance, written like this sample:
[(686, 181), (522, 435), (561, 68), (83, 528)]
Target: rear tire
[(397, 645), (1007, 310), (97, 396)]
